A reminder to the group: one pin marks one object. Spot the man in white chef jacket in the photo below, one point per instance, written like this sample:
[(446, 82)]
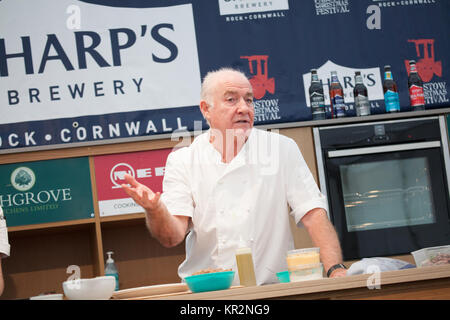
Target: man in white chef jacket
[(235, 185), (4, 247)]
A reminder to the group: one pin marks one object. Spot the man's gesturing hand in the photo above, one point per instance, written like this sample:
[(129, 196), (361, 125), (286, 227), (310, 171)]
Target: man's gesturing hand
[(168, 229), (141, 194)]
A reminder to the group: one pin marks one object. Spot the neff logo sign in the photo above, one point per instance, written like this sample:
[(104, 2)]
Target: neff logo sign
[(117, 173)]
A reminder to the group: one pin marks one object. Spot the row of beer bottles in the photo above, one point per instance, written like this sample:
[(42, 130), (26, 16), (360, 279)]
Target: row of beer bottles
[(360, 94), (337, 102), (415, 88)]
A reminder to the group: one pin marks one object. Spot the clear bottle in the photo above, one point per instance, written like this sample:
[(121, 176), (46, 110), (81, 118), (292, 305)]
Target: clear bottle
[(391, 98), (246, 268), (415, 86), (316, 97), (336, 97), (111, 269), (362, 104)]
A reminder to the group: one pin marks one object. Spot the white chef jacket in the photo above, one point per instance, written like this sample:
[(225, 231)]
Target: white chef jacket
[(245, 202), (4, 245)]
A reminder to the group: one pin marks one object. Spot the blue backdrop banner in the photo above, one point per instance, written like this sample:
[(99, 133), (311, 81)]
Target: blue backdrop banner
[(99, 71)]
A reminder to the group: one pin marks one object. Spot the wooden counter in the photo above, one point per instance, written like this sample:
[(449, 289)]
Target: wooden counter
[(416, 284)]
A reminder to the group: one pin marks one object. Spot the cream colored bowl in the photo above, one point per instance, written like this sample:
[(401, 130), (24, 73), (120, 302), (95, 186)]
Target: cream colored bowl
[(99, 288)]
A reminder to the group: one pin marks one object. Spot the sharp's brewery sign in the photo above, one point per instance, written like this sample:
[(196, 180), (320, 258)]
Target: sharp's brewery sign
[(58, 78), (46, 191)]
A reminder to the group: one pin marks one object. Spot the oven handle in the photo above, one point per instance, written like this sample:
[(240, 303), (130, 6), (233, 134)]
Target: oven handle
[(380, 149)]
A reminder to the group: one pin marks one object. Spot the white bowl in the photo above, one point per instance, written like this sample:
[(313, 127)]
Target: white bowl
[(99, 288)]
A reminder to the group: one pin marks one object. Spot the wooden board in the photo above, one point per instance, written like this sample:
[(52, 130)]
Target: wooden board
[(147, 291)]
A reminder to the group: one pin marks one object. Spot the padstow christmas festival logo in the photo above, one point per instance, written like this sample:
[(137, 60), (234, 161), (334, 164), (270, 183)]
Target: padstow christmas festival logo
[(266, 104), (430, 70)]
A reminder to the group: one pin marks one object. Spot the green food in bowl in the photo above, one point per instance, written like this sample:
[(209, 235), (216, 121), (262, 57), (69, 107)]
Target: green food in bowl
[(210, 281)]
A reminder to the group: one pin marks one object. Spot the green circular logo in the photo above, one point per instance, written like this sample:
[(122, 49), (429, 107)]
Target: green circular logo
[(23, 178)]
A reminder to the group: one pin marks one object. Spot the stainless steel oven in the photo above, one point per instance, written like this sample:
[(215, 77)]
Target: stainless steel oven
[(387, 184)]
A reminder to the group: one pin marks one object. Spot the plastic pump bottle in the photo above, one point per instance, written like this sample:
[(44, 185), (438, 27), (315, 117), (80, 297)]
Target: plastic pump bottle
[(111, 270), (245, 265)]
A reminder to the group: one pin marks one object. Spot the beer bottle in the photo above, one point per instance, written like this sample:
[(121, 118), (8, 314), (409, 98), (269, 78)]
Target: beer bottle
[(316, 97), (391, 99), (362, 104), (415, 86), (336, 97)]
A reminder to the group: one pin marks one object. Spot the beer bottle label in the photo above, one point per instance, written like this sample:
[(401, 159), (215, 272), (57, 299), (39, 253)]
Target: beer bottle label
[(317, 105), (361, 100), (317, 100), (416, 96), (362, 105), (391, 101), (388, 75), (339, 106)]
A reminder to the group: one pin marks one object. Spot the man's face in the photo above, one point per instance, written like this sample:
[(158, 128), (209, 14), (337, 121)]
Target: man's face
[(233, 105)]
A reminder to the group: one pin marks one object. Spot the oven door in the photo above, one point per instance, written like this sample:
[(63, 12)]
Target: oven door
[(388, 200)]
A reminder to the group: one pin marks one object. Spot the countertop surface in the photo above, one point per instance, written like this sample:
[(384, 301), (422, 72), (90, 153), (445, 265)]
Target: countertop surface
[(350, 287)]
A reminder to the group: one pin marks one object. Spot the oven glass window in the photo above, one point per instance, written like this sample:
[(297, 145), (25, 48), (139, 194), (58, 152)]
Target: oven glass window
[(386, 194)]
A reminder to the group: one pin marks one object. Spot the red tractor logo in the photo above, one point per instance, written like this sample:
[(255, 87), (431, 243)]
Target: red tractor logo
[(260, 82), (426, 65)]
